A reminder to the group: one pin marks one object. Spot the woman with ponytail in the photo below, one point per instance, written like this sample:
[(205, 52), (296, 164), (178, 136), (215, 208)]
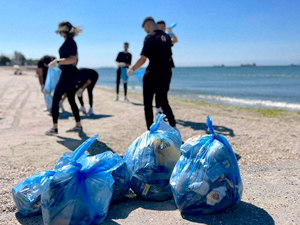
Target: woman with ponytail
[(69, 75)]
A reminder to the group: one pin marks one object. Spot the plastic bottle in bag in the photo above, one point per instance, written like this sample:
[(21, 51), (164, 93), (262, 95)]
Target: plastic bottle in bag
[(206, 178), (151, 159)]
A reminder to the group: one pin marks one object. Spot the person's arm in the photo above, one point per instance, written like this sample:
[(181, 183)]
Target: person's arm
[(86, 84), (137, 65), (39, 72), (68, 61), (173, 36), (81, 90), (174, 39)]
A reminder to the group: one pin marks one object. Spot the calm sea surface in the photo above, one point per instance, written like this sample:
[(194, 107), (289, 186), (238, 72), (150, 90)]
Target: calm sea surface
[(268, 87)]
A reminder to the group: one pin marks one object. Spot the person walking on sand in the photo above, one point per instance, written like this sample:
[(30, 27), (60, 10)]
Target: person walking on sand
[(69, 75), (123, 60), (87, 79), (162, 26), (157, 48)]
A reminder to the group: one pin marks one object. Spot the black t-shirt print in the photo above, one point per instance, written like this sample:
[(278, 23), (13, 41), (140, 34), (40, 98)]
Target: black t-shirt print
[(157, 48), (124, 57), (68, 48)]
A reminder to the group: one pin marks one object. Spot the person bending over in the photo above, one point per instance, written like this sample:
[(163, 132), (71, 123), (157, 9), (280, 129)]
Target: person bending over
[(123, 60), (87, 80), (157, 48)]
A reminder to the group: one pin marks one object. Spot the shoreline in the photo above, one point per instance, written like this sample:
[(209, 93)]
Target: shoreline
[(272, 110)]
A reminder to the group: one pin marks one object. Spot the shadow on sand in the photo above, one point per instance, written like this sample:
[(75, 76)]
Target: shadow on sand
[(96, 148), (66, 115), (240, 214), (202, 126)]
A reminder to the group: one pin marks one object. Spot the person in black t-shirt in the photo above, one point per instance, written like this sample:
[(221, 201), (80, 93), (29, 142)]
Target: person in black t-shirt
[(162, 26), (157, 48), (123, 60), (69, 75), (87, 79)]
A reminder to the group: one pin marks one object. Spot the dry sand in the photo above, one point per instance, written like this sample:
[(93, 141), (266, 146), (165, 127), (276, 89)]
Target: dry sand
[(268, 148)]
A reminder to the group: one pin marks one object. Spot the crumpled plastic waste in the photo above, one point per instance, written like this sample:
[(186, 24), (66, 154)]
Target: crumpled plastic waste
[(27, 194), (151, 159), (80, 191), (206, 178)]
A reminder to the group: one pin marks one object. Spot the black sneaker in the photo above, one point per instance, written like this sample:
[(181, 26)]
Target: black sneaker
[(52, 132), (75, 129)]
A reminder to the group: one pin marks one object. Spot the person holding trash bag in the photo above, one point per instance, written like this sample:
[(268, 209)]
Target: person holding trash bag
[(123, 61), (87, 79), (206, 178), (162, 26), (69, 76), (80, 193), (150, 160), (42, 71), (157, 48)]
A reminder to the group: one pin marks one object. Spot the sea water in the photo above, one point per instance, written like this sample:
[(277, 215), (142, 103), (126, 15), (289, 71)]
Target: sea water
[(253, 86)]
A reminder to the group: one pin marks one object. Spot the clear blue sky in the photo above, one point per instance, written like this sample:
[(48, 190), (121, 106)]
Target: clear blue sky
[(231, 32)]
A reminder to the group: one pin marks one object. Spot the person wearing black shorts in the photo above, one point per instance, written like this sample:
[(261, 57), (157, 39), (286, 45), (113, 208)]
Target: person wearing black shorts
[(87, 79), (157, 48), (69, 75), (42, 71), (162, 26), (123, 60)]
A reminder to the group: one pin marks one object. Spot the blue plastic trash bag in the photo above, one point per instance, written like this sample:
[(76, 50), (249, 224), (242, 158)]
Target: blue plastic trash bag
[(121, 175), (206, 179), (139, 75), (124, 74), (49, 100), (27, 194), (151, 159), (80, 193), (53, 76)]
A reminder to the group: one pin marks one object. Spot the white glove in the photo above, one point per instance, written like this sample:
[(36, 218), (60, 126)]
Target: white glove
[(52, 64), (169, 30), (79, 92), (130, 71), (122, 64)]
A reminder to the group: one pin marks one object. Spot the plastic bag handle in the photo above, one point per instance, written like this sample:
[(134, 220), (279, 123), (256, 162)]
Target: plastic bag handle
[(155, 126), (82, 148), (209, 125)]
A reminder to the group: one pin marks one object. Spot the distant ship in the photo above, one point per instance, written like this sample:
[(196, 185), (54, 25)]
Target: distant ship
[(219, 65), (253, 64)]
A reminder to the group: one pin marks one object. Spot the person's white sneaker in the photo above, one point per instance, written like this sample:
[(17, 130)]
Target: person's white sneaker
[(126, 99), (82, 109), (90, 112), (116, 98)]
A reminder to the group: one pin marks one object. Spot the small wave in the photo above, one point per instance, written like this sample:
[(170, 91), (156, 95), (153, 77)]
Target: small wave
[(249, 102)]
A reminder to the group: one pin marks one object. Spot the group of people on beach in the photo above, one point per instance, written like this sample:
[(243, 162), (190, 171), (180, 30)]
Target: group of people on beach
[(73, 81)]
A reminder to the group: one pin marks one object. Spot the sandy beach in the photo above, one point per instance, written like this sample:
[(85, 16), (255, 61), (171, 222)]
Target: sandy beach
[(266, 142)]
